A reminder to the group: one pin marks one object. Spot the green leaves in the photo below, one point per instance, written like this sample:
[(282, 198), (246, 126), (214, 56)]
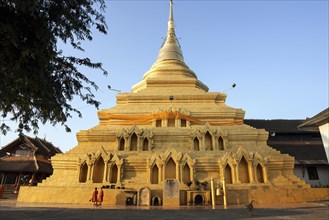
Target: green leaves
[(37, 82)]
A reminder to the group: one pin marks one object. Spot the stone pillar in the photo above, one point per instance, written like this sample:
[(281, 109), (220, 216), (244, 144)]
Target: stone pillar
[(203, 144), (118, 176), (235, 174), (177, 171), (161, 173), (164, 122), (254, 168), (139, 143), (110, 164), (181, 173), (178, 122), (89, 173), (127, 143), (251, 172), (192, 173), (265, 174), (213, 144), (105, 176)]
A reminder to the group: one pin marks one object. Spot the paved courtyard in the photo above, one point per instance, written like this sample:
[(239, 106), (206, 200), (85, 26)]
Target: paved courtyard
[(9, 209)]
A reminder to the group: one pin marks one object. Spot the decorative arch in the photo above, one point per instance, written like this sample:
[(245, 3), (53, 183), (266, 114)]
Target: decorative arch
[(259, 168), (208, 141), (114, 174), (196, 144), (122, 144), (259, 174), (227, 167), (186, 174), (155, 174), (170, 169), (133, 142), (156, 201), (155, 162), (83, 172), (98, 172), (115, 169), (220, 142), (228, 174), (145, 144), (243, 170), (187, 168)]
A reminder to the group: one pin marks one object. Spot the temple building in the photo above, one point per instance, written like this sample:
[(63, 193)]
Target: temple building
[(169, 142), (25, 161)]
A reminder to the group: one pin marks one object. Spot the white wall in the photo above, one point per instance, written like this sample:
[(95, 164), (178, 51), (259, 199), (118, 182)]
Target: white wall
[(323, 173), (324, 130)]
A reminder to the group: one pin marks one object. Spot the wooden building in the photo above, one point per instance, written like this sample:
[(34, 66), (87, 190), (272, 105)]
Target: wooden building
[(25, 161)]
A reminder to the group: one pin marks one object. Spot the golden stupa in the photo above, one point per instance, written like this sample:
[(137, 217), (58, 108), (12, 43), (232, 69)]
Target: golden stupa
[(170, 142)]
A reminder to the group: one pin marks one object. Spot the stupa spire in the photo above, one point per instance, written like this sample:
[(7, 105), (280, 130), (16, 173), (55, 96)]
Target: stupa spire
[(170, 49)]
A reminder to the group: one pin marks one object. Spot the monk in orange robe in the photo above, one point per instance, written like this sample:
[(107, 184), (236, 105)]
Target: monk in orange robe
[(100, 196), (94, 197)]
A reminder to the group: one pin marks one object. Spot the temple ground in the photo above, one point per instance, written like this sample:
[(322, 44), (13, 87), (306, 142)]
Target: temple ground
[(9, 209)]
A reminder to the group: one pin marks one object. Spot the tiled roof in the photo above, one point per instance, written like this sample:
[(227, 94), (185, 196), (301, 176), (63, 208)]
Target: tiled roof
[(277, 125), (40, 146), (305, 146), (316, 121)]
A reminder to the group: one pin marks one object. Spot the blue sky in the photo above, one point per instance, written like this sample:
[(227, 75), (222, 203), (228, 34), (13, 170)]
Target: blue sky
[(275, 51)]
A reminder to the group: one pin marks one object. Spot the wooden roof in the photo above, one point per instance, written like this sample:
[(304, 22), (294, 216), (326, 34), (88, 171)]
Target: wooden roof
[(39, 146), (29, 164)]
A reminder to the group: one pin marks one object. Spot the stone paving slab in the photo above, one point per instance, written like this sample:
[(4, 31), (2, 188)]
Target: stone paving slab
[(10, 210)]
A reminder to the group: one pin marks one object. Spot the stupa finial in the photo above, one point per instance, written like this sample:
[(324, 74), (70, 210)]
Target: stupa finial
[(170, 49), (171, 17)]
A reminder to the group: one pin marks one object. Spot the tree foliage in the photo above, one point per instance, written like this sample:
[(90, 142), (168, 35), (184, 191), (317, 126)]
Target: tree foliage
[(38, 82)]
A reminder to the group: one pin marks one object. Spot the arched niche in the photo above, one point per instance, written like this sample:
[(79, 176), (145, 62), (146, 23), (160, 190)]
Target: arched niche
[(114, 174), (183, 123), (243, 171), (186, 174), (170, 169), (98, 172), (83, 172), (121, 144), (158, 123), (171, 122), (133, 142), (198, 199), (145, 144), (155, 175), (220, 143), (196, 144), (208, 141), (228, 174), (156, 201), (259, 174)]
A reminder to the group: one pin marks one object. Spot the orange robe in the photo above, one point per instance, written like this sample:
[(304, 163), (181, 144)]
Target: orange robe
[(94, 196), (100, 196)]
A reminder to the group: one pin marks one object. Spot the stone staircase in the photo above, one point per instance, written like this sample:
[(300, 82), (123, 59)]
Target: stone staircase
[(9, 195), (289, 182)]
